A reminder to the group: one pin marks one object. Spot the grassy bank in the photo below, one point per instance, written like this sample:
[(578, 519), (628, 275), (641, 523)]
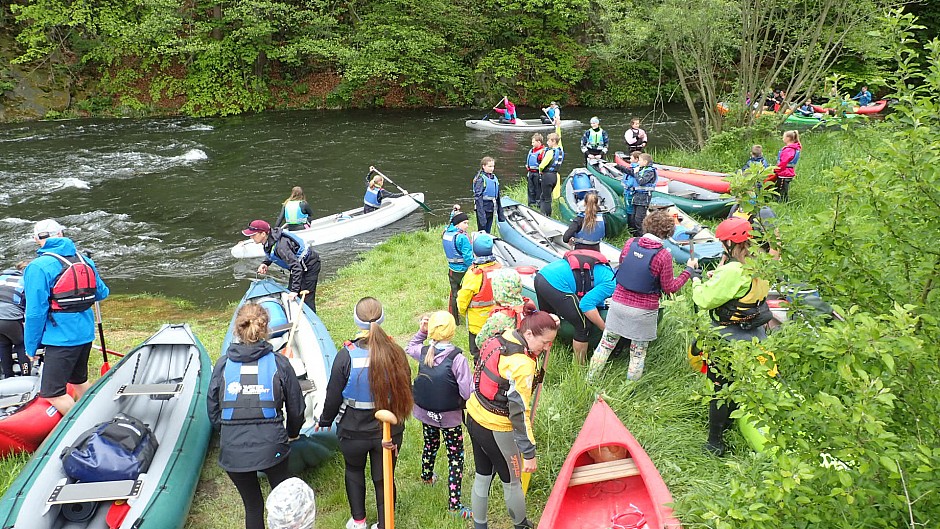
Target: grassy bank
[(664, 409)]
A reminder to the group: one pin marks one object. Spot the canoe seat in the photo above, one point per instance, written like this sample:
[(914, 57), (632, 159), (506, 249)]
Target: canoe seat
[(551, 232), (593, 473), (163, 390), (100, 491), (14, 400)]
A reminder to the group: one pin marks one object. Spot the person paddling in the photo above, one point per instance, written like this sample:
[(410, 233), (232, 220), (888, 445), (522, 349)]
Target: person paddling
[(374, 196), (291, 253), (508, 112), (295, 212)]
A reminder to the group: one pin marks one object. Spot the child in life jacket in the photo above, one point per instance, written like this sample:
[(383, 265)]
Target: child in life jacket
[(441, 389), (511, 306), (757, 158), (375, 194)]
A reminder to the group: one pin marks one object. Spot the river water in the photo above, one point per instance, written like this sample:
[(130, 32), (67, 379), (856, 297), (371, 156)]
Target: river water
[(158, 203)]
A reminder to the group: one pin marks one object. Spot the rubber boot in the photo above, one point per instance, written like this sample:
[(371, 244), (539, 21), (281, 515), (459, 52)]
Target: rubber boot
[(524, 524), (718, 420)]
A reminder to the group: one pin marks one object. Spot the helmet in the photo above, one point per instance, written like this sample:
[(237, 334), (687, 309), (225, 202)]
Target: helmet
[(483, 245), (734, 229), (595, 121)]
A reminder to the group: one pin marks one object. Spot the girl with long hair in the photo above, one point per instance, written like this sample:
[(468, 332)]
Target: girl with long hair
[(295, 212), (587, 228), (785, 170)]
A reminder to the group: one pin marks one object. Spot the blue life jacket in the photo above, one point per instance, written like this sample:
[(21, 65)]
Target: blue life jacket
[(11, 288), (449, 240), (551, 113), (557, 157), (249, 389), (371, 198), (300, 252), (593, 236), (491, 188), (292, 213), (796, 158), (435, 388), (646, 179), (357, 394), (532, 161), (634, 273), (596, 139)]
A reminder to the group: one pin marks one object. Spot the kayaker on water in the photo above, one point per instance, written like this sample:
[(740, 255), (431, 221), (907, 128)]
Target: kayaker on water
[(486, 195), (587, 229), (594, 141), (291, 253), (785, 171), (12, 313), (295, 213), (645, 274), (459, 253), (475, 298), (736, 301), (441, 389), (533, 181), (864, 97), (508, 113), (806, 109), (498, 417), (370, 373), (61, 286), (552, 114), (548, 172), (256, 425), (635, 137), (375, 194)]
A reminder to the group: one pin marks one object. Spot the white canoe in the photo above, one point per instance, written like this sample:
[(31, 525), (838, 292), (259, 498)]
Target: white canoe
[(521, 125), (341, 225)]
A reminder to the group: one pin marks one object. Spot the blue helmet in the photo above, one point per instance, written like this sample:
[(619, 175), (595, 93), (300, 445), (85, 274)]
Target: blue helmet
[(483, 245)]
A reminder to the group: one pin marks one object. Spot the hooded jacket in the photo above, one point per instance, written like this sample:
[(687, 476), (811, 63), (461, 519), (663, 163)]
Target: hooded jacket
[(59, 328), (257, 445), (286, 248), (787, 154)]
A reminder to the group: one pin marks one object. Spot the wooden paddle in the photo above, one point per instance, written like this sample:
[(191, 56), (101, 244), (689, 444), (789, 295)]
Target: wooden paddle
[(536, 396), (422, 204), (288, 349), (105, 367), (387, 419)]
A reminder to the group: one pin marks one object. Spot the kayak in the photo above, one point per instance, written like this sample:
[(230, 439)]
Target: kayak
[(25, 417), (311, 348), (705, 179), (707, 248), (511, 257), (611, 203), (163, 383), (341, 226), (539, 236), (607, 480), (871, 108), (816, 118), (521, 125)]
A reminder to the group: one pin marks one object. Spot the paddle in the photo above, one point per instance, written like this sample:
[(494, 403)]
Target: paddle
[(422, 204), (288, 351), (387, 419), (105, 367), (536, 396)]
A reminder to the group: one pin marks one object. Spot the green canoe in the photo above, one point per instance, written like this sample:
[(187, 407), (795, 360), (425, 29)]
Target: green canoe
[(611, 204)]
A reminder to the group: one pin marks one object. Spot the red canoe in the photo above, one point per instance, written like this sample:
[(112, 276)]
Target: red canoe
[(624, 491), (25, 417), (872, 108), (709, 180)]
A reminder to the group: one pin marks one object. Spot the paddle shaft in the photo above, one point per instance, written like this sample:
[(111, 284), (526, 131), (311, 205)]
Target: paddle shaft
[(289, 353), (422, 204), (104, 349), (536, 396), (387, 418)]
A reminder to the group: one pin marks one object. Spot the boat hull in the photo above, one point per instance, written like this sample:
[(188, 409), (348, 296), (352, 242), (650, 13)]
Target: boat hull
[(521, 125), (611, 204), (23, 427)]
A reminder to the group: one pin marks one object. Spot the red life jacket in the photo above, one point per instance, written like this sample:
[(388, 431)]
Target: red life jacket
[(582, 264), (75, 287), (484, 298), (489, 386)]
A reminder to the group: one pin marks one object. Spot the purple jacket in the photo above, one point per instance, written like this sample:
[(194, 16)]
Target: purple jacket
[(461, 368)]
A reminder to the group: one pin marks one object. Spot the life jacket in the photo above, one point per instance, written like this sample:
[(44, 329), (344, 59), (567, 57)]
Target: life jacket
[(371, 198), (796, 158), (645, 185), (292, 213), (300, 251), (484, 298), (491, 186), (749, 311), (11, 288), (357, 394), (636, 138), (75, 287), (582, 263), (634, 273), (514, 311), (532, 161), (489, 386), (249, 389), (435, 388), (593, 236), (449, 240), (557, 157), (595, 139)]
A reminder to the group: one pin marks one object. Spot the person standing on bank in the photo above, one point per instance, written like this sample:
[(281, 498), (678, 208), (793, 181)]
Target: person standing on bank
[(60, 287), (533, 179), (12, 312), (475, 298), (785, 170), (595, 141), (291, 253), (256, 427), (635, 136), (486, 195), (370, 373), (645, 176), (295, 213), (459, 254), (548, 172)]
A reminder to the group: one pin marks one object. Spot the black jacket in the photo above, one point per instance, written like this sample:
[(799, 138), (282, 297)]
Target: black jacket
[(261, 444), (286, 249)]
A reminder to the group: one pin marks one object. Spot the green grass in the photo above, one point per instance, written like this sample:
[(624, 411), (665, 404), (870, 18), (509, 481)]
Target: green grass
[(664, 409)]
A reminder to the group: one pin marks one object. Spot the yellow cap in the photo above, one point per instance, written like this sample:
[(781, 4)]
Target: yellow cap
[(441, 326)]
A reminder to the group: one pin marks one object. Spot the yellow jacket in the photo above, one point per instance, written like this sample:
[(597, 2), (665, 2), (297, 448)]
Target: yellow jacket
[(470, 287)]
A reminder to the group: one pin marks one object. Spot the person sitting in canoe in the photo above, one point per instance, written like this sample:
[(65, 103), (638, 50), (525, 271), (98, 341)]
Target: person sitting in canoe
[(587, 228), (594, 141), (374, 192), (575, 288), (291, 253), (757, 158), (864, 97), (475, 297), (507, 114), (295, 213), (806, 110), (459, 253), (635, 137), (551, 114), (486, 195)]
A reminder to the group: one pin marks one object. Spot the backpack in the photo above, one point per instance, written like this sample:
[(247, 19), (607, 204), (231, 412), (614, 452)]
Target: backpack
[(119, 449), (75, 287)]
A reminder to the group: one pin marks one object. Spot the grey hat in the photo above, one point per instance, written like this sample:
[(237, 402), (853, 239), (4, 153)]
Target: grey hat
[(291, 505)]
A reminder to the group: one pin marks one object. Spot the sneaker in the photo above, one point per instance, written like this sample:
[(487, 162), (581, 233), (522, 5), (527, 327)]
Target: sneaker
[(463, 513), (353, 524), (375, 525)]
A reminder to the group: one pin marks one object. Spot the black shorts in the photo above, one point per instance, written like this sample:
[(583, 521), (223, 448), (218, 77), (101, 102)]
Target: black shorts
[(565, 306), (63, 364)]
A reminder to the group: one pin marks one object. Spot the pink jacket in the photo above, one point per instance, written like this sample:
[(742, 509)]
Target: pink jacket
[(789, 153)]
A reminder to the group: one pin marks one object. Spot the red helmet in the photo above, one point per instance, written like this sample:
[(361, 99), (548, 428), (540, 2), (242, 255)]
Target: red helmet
[(734, 229)]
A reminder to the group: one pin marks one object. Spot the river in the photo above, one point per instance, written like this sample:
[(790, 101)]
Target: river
[(158, 203)]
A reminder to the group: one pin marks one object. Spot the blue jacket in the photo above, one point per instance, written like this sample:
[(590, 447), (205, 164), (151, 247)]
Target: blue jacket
[(559, 275), (465, 249), (863, 98), (60, 328)]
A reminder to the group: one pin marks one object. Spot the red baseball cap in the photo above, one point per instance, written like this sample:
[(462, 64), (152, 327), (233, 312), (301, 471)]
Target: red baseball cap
[(256, 226)]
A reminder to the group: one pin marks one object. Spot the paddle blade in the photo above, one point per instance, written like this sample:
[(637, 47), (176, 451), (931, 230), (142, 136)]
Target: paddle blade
[(117, 513), (525, 478), (105, 367)]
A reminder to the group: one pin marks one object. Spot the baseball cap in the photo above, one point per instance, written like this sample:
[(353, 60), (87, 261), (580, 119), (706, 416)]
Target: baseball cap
[(47, 228), (256, 226), (291, 505)]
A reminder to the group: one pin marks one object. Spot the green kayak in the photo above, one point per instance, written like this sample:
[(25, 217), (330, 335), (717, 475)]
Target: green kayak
[(611, 203)]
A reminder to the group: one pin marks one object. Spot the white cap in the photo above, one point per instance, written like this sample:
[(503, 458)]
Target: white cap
[(595, 120), (291, 505), (47, 228)]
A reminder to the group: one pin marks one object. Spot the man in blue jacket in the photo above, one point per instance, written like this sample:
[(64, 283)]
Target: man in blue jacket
[(61, 286)]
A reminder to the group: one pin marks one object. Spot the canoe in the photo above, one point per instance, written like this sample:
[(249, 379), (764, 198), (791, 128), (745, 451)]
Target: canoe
[(341, 226), (521, 125), (611, 203), (162, 382), (874, 107), (25, 417), (539, 236), (706, 179), (619, 490), (312, 347), (511, 257), (816, 119), (708, 249)]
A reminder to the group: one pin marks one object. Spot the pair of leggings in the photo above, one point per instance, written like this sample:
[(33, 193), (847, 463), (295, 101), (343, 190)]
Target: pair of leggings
[(607, 345), (355, 452), (533, 188), (548, 182), (308, 281), (564, 305), (453, 444), (11, 342), (496, 452), (250, 490), (454, 278)]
